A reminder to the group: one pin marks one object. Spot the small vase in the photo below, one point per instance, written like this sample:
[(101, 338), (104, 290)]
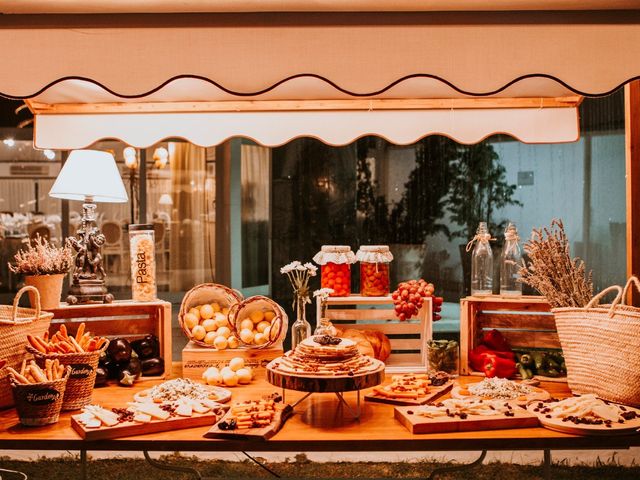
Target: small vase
[(300, 329), (49, 287), (324, 325)]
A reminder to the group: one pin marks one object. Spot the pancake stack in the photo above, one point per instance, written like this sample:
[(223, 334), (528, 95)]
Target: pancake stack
[(338, 358)]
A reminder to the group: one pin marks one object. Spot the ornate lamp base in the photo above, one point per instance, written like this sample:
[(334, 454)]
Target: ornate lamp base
[(88, 291)]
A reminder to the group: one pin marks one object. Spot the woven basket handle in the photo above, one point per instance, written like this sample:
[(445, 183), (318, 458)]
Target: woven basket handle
[(16, 300), (596, 299), (632, 280)]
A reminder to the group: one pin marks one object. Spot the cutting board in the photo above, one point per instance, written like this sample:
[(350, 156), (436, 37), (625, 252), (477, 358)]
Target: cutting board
[(419, 424), (626, 428), (283, 412), (434, 392), (134, 428)]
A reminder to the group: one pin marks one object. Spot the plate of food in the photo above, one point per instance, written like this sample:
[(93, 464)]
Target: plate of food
[(173, 390), (500, 389), (411, 389), (586, 415)]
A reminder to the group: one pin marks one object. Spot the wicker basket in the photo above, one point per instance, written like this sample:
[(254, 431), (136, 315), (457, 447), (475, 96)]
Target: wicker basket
[(15, 324), (601, 345), (279, 324), (206, 293), (39, 403), (81, 378)]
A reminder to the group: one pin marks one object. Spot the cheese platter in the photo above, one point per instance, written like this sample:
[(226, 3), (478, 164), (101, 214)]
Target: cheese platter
[(139, 418), (500, 389), (173, 389), (410, 389), (457, 415), (587, 415), (252, 419)]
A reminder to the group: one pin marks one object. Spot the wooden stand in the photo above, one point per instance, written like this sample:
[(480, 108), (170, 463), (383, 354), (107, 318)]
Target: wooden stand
[(525, 321), (196, 359), (408, 339), (127, 319)]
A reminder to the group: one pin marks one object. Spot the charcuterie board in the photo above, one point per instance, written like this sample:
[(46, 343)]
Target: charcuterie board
[(218, 394), (535, 393), (131, 428), (417, 424), (432, 394), (282, 413)]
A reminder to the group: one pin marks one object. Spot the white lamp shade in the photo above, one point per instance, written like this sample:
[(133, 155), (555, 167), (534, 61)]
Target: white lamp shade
[(165, 199), (90, 174)]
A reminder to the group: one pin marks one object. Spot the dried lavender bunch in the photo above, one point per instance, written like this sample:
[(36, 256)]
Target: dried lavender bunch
[(42, 258), (561, 279)]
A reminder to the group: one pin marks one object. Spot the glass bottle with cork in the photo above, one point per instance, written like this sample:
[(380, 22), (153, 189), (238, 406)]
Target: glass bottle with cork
[(481, 261), (510, 263)]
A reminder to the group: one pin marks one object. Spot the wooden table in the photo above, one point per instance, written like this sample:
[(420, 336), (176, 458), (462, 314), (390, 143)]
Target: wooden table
[(317, 429)]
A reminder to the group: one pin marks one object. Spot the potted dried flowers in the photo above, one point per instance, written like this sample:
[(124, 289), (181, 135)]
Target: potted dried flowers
[(299, 275), (324, 325), (44, 266)]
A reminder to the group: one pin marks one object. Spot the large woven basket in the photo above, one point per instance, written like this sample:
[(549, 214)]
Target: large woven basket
[(82, 376), (601, 346), (40, 403), (15, 324)]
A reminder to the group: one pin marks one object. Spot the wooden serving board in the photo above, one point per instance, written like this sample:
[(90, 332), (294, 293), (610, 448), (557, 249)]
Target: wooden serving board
[(418, 424), (218, 394), (434, 392), (626, 428), (283, 412), (127, 429)]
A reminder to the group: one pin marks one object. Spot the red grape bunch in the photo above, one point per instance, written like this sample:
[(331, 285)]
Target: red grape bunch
[(409, 297)]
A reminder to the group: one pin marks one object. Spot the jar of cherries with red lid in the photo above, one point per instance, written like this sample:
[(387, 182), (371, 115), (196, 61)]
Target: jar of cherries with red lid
[(374, 270), (335, 268)]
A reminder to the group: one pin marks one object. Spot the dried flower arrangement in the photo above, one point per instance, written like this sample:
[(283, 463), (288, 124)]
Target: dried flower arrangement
[(561, 279), (42, 258)]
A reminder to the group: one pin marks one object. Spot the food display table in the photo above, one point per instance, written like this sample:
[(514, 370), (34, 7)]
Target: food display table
[(321, 428)]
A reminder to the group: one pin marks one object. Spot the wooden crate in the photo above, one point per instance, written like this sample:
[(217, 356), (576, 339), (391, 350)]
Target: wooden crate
[(196, 359), (408, 339), (526, 322), (127, 319)]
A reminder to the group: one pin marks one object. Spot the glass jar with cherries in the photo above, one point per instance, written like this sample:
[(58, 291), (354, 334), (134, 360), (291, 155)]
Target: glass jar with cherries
[(335, 268), (374, 270)]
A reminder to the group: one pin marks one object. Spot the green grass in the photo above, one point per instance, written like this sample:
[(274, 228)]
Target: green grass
[(68, 467)]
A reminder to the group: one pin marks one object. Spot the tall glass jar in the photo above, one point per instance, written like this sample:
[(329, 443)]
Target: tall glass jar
[(143, 263), (482, 262), (374, 270), (300, 329), (335, 268), (510, 263)]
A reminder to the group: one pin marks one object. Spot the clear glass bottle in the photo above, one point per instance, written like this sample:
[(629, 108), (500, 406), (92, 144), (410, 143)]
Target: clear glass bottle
[(510, 263), (300, 329), (143, 263), (482, 262), (323, 324)]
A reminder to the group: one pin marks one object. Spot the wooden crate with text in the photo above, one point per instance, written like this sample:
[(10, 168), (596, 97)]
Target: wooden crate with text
[(525, 321), (126, 319), (408, 338)]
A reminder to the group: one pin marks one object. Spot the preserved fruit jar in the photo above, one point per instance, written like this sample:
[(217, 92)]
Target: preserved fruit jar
[(374, 270), (335, 268)]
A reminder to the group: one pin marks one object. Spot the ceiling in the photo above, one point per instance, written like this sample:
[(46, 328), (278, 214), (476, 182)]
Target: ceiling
[(182, 6)]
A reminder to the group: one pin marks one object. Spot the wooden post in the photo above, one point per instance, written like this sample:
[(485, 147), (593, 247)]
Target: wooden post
[(223, 213), (632, 144)]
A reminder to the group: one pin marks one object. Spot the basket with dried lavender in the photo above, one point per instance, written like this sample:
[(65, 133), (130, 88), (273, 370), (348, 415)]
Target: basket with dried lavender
[(600, 342)]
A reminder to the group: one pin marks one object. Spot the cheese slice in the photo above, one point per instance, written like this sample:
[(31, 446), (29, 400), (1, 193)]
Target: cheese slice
[(184, 409), (152, 410), (110, 419), (198, 407), (141, 417)]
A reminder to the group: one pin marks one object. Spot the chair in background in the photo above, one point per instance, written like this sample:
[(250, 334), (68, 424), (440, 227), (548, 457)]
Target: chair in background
[(113, 246)]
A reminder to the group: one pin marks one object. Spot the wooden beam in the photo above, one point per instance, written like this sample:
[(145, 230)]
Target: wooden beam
[(304, 105), (632, 144)]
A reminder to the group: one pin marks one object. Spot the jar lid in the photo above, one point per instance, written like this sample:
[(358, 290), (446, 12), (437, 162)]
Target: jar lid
[(374, 254), (334, 254), (135, 227)]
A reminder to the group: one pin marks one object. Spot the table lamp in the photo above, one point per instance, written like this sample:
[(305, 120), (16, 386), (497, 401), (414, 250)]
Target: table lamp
[(89, 176)]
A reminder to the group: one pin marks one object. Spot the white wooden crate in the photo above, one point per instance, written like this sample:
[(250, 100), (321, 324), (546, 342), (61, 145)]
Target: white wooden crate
[(408, 338)]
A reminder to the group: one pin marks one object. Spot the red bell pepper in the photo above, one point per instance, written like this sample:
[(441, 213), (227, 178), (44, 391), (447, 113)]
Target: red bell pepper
[(495, 341), (478, 355), (495, 366)]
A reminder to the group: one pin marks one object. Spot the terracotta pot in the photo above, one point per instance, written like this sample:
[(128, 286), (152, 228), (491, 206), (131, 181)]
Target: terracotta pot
[(50, 288)]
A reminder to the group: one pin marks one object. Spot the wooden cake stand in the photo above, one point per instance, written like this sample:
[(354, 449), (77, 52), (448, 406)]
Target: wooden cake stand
[(337, 384)]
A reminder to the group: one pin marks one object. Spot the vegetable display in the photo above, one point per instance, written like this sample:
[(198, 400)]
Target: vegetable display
[(126, 361)]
